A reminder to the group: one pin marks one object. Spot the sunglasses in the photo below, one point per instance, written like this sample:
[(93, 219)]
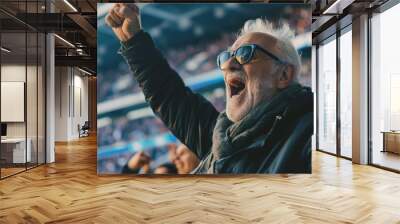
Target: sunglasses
[(244, 54)]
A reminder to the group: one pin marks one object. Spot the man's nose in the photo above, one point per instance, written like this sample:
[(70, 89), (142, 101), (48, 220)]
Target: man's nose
[(231, 64)]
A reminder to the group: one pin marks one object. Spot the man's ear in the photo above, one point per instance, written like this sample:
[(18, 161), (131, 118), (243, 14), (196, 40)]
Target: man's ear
[(285, 77)]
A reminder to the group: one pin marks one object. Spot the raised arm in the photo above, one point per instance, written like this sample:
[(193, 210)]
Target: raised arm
[(189, 116)]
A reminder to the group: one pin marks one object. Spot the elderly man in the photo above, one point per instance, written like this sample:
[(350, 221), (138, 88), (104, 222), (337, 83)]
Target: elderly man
[(268, 122)]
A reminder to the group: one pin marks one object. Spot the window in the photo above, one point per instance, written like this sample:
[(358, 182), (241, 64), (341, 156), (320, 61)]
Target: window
[(385, 89), (346, 94), (327, 96), (22, 77)]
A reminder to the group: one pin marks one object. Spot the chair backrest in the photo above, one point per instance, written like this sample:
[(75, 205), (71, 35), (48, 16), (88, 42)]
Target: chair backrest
[(86, 125)]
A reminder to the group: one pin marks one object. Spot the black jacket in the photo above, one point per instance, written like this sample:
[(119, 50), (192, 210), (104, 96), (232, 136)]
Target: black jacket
[(283, 147)]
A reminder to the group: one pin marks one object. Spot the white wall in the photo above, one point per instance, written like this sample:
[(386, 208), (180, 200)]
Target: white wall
[(71, 94), (61, 103), (80, 109), (13, 101), (13, 73), (16, 72), (33, 126), (314, 89)]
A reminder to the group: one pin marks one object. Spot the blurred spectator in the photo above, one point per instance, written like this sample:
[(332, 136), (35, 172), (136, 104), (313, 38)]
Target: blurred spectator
[(181, 161), (166, 168), (140, 163), (139, 160), (184, 159)]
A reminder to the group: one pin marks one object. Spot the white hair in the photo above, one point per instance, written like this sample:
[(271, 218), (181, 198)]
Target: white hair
[(282, 33)]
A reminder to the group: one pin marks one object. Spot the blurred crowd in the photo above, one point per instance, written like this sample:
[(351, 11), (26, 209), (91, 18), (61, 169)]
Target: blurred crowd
[(123, 130), (170, 159), (198, 58), (188, 61), (192, 60)]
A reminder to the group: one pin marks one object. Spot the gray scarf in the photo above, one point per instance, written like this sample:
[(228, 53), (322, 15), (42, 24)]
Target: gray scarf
[(229, 137)]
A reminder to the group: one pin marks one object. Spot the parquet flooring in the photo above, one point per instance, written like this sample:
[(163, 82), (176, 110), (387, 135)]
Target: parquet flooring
[(69, 191), (9, 171)]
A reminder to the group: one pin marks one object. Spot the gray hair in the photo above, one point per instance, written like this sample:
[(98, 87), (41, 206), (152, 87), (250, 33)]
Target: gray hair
[(282, 33)]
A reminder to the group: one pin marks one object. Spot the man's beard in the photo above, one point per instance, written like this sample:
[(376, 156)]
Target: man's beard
[(240, 102)]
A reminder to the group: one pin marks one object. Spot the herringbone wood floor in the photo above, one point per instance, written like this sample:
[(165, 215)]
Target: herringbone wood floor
[(70, 191)]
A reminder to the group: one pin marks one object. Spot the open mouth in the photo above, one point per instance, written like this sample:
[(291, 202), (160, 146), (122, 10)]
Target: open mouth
[(236, 86)]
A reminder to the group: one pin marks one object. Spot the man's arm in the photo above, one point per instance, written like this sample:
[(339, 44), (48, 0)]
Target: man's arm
[(189, 116)]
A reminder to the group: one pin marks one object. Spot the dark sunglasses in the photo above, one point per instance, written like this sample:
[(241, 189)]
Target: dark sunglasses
[(244, 54)]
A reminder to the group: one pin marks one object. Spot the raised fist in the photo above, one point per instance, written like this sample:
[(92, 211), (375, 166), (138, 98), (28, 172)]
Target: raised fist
[(139, 160), (124, 20)]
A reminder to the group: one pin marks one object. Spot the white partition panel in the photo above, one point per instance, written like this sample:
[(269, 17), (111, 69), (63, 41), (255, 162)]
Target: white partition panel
[(12, 101)]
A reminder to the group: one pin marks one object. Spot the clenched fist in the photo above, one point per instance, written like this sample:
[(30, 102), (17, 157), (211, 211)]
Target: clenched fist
[(124, 20), (139, 160)]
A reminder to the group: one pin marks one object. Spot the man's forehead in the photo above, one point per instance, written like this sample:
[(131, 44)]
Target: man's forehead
[(262, 39)]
